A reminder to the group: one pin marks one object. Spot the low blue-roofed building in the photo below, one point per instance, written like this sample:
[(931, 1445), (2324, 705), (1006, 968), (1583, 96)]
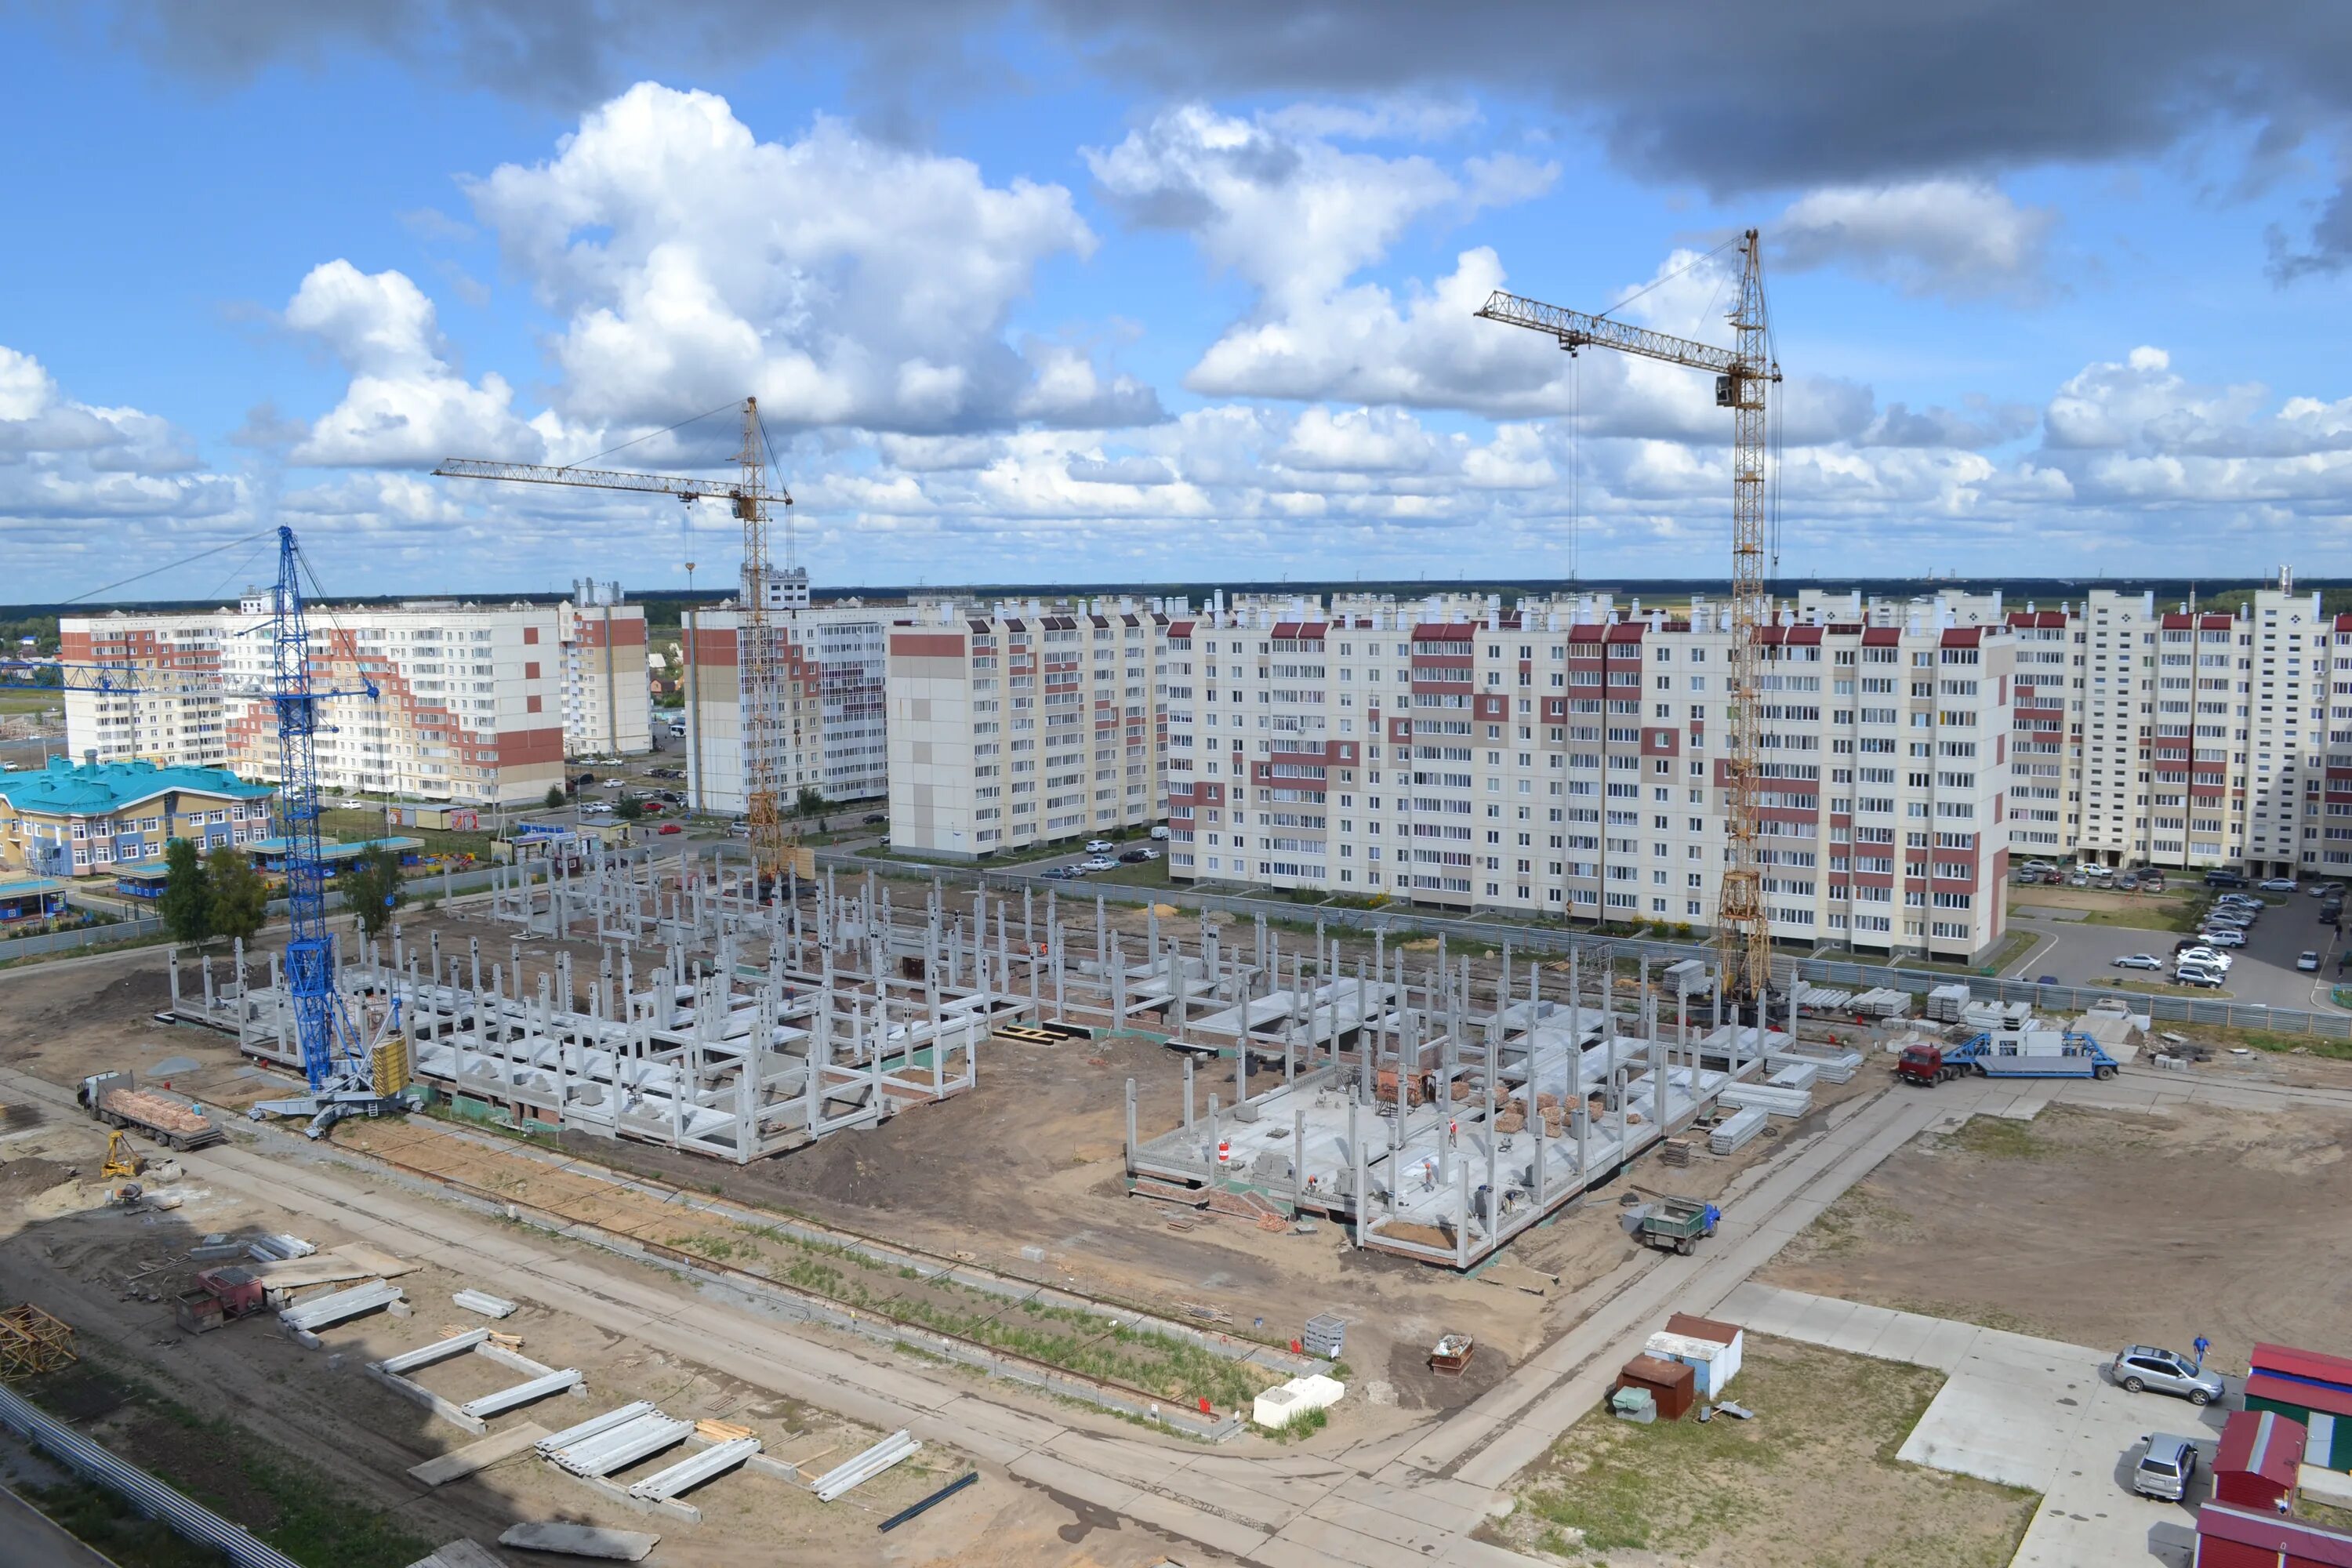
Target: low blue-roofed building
[(93, 818), (30, 897)]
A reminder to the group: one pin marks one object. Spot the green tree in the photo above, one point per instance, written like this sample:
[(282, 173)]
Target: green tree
[(372, 886), (240, 899), (187, 905), (628, 808), (555, 797), (810, 801)]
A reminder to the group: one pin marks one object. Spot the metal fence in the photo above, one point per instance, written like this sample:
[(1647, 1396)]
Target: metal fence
[(136, 1486), (1547, 940), (141, 929)]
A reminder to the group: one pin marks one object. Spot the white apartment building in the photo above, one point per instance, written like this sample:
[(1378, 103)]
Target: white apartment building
[(2198, 741), (472, 705), (832, 723), (607, 704), (1563, 760), (1025, 725)]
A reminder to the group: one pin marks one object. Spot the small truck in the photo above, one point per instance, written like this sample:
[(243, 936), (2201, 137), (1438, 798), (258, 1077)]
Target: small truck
[(2075, 1056), (115, 1098), (1676, 1224), (221, 1296)]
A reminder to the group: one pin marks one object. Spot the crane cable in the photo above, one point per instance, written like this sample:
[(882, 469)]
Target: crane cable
[(170, 566)]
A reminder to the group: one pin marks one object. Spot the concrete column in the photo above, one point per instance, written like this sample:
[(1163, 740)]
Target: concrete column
[(1359, 1198), (1130, 1125), (1188, 1092)]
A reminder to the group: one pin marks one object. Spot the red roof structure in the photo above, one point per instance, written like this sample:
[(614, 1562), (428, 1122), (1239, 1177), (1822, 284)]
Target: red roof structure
[(2259, 1461), (2290, 1541)]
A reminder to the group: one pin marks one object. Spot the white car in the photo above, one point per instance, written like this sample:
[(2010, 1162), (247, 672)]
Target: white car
[(2309, 962), (2205, 958), (2278, 885), (1099, 863), (2222, 936), (1099, 846), (2138, 961), (1160, 831)]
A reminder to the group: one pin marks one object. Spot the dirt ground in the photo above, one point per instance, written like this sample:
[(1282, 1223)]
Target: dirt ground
[(1023, 1175), (2105, 1228), (149, 1391), (1810, 1481)]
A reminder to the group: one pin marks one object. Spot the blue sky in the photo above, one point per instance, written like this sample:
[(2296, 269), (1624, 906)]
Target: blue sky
[(1086, 293)]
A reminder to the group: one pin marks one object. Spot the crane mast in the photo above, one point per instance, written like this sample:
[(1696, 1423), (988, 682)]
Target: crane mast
[(758, 665), (1743, 376)]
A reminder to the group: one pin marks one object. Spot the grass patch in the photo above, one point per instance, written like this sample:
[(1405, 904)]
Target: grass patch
[(1301, 1426), (2143, 917), (304, 1513), (1817, 1466), (1998, 1138), (98, 1518), (352, 825)]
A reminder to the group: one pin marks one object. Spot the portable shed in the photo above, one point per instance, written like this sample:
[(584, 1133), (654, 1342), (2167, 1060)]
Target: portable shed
[(1730, 1336), (2230, 1536), (2310, 1387), (1670, 1383), (2261, 1454)]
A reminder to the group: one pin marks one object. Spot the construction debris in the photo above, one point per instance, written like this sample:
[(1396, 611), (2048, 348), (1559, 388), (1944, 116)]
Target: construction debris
[(695, 1469), (482, 1302), (32, 1341), (324, 1311), (582, 1541)]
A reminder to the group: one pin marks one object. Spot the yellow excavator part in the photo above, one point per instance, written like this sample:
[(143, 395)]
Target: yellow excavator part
[(122, 1160)]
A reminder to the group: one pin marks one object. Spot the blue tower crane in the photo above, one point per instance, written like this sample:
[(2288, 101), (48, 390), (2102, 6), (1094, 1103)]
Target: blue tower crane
[(335, 1055)]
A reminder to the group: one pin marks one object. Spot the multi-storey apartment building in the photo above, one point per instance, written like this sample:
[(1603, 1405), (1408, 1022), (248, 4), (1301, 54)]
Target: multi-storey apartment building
[(474, 702), (607, 694), (1561, 759), (1025, 725), (830, 724), (2200, 740)]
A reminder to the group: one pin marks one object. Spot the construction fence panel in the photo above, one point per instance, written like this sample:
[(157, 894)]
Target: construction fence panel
[(143, 1492), (141, 929)]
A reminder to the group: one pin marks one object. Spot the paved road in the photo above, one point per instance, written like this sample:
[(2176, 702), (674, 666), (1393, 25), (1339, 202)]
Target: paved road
[(27, 1540)]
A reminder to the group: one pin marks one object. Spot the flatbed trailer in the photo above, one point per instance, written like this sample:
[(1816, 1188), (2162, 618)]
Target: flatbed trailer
[(115, 1098), (2078, 1057)]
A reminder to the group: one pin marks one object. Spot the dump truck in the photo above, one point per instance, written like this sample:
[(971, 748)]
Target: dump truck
[(2072, 1054), (115, 1098), (1676, 1224), (220, 1296)]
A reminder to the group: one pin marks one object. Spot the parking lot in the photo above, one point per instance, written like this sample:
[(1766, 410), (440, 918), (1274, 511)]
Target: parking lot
[(2076, 953)]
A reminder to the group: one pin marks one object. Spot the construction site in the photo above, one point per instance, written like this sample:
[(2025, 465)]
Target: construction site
[(722, 1201)]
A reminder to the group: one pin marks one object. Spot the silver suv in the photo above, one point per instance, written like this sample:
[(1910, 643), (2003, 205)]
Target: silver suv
[(2165, 1470), (2142, 1367)]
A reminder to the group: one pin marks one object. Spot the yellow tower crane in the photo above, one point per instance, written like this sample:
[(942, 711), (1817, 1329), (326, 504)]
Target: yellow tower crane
[(775, 840), (1742, 376)]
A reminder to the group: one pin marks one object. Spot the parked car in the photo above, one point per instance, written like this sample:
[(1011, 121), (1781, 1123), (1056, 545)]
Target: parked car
[(1138, 857), (2279, 885), (672, 828), (1099, 863), (2128, 882), (874, 818), (2330, 914), (615, 783), (2079, 879), (2138, 961), (2309, 962), (2028, 876), (2222, 936), (2197, 974), (1099, 846), (2327, 889), (2045, 980), (2151, 882), (1160, 831), (2210, 957), (2165, 1470), (2139, 1368)]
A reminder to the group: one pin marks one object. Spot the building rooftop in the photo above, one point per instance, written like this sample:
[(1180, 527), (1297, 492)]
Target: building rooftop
[(92, 788)]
